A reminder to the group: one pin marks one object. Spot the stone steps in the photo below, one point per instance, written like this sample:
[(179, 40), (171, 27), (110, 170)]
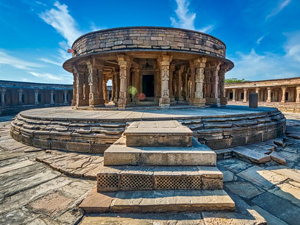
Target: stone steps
[(158, 201), (119, 154), (127, 178)]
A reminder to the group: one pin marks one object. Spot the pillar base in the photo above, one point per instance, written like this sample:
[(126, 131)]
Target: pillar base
[(164, 102), (198, 101), (223, 101)]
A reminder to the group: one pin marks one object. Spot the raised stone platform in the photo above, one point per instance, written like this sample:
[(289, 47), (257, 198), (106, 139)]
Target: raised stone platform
[(94, 131)]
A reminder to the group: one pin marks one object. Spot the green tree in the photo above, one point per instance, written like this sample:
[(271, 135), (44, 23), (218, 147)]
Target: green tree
[(234, 80)]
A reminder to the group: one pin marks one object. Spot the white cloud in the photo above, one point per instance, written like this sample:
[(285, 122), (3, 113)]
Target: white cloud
[(207, 29), (45, 75), (50, 61), (260, 39), (254, 66), (278, 8), (60, 19), (15, 62), (186, 19), (292, 47)]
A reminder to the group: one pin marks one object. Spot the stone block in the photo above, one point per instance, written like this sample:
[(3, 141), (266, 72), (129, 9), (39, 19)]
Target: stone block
[(158, 134)]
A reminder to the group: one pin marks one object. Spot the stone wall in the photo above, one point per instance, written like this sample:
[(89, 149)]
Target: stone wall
[(149, 39)]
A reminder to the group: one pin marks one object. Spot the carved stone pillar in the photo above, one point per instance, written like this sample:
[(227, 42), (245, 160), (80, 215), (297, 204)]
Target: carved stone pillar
[(198, 71), (116, 89), (269, 95), (283, 94), (186, 86), (258, 95), (74, 91), (215, 89), (157, 85), (192, 79), (233, 94), (245, 95), (223, 99), (298, 94), (79, 87), (95, 79), (179, 82), (20, 91), (51, 97), (36, 96), (3, 91), (136, 84), (171, 73), (124, 64), (65, 96), (104, 88), (164, 64)]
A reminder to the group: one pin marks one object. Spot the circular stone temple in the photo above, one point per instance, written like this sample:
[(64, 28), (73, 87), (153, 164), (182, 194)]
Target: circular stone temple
[(148, 65), (154, 66)]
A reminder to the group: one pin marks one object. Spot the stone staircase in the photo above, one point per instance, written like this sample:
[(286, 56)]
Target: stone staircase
[(158, 166)]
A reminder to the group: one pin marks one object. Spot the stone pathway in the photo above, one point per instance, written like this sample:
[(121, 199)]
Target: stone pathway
[(33, 193)]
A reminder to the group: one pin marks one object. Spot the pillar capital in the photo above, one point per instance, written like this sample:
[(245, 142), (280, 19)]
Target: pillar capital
[(200, 62), (164, 60), (3, 90), (283, 88)]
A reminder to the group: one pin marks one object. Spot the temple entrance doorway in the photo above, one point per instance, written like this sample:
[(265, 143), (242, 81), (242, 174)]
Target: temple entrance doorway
[(148, 87)]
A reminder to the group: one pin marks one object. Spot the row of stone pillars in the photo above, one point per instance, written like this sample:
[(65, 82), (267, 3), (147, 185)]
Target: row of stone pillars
[(36, 98), (269, 94), (89, 78)]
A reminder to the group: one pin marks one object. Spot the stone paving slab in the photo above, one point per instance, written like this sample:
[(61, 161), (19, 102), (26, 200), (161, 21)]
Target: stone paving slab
[(158, 201)]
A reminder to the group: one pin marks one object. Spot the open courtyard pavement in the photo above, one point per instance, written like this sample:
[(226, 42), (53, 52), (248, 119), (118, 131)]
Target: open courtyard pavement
[(39, 186)]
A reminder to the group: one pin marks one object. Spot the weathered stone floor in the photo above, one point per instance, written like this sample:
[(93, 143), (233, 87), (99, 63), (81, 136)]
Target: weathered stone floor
[(33, 193)]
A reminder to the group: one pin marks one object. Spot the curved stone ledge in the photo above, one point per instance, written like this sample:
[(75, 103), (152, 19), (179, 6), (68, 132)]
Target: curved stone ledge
[(95, 135)]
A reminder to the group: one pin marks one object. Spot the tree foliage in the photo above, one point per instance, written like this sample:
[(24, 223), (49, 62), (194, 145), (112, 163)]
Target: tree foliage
[(234, 80)]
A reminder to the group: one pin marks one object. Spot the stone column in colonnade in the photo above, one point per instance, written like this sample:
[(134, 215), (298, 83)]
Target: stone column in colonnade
[(216, 68), (233, 94), (52, 97), (79, 86), (269, 98), (124, 64), (298, 94), (180, 88), (164, 64), (36, 96), (283, 94), (171, 73), (65, 96), (257, 91), (3, 91), (136, 84), (199, 65), (20, 91), (95, 78), (223, 99), (245, 95)]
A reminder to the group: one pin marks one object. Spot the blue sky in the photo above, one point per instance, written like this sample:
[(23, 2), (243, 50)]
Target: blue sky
[(262, 36)]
